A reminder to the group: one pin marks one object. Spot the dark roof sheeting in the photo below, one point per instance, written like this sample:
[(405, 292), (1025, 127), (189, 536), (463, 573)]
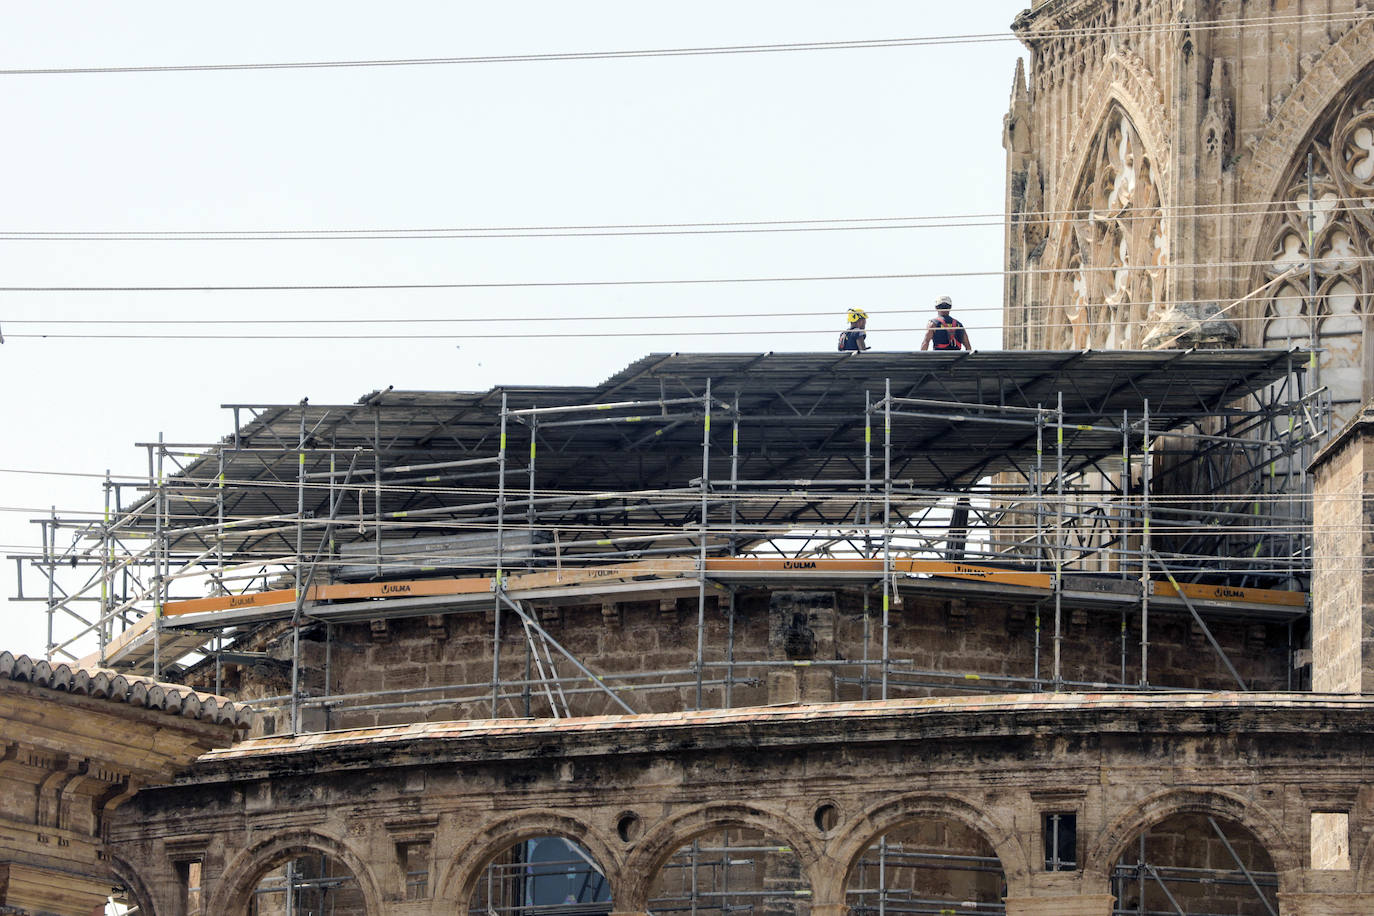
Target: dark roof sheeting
[(802, 419)]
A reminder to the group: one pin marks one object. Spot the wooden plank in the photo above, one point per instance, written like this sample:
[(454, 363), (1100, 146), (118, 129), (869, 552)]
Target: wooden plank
[(229, 602), (816, 565), (1164, 589), (951, 570), (667, 567), (403, 589), (116, 645)]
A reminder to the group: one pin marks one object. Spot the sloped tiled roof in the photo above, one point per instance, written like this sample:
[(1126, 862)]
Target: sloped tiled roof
[(147, 693)]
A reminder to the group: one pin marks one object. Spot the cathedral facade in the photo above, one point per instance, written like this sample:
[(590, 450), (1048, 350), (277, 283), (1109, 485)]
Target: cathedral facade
[(1173, 165)]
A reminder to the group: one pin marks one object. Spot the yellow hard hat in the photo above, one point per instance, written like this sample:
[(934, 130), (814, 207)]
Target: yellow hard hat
[(857, 315)]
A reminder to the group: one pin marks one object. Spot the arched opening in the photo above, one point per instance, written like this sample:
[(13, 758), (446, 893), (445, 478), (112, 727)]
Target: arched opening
[(127, 897), (306, 884), (1114, 248), (1326, 208), (733, 872), (1195, 863), (124, 902), (927, 865), (542, 876)]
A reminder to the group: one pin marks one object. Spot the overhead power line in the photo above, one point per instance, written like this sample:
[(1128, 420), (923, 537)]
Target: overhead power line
[(712, 50), (665, 281), (1174, 213)]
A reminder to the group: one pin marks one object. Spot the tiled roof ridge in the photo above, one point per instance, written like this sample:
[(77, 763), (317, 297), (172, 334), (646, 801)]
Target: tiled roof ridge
[(102, 683)]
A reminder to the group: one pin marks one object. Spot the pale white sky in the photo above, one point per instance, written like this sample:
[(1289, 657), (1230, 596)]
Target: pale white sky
[(860, 134)]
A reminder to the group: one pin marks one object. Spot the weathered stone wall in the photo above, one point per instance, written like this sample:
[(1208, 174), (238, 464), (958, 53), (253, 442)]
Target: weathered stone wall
[(1343, 581), (946, 776), (784, 645), (1340, 584)]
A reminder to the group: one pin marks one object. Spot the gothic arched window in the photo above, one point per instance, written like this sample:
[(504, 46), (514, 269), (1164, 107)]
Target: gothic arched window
[(1116, 247), (1338, 214)]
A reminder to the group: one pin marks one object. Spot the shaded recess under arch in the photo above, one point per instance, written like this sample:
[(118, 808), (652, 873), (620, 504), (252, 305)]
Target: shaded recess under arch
[(306, 884), (292, 874), (739, 870), (928, 864), (542, 876), (1195, 862)]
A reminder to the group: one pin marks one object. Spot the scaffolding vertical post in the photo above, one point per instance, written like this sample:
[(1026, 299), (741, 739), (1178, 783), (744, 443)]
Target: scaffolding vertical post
[(298, 580), (1124, 515), (882, 875), (219, 524), (159, 555), (534, 447), (1124, 528), (1146, 473), (734, 477), (105, 632), (701, 562), (868, 529), (49, 532), (498, 583), (376, 487), (887, 527), (1039, 486), (1060, 543), (526, 691)]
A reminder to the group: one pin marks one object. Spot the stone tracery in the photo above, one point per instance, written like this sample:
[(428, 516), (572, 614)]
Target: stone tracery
[(1338, 215), (1116, 244)]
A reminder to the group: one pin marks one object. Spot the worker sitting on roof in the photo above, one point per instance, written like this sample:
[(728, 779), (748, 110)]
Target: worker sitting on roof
[(854, 338), (945, 332)]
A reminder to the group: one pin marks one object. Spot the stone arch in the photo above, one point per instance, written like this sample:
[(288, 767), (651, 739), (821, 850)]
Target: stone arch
[(1331, 119), (658, 845), (1268, 173), (1110, 253), (231, 892), (849, 847), (127, 875), (1302, 111), (1110, 844), (465, 867), (1126, 81)]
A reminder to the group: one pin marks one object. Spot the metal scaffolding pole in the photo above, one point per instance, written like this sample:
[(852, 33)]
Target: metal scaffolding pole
[(1061, 545), (887, 526), (703, 528), (1146, 475), (159, 562), (105, 631), (498, 584)]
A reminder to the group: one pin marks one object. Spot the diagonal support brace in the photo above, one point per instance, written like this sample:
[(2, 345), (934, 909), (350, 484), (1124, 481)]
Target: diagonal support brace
[(543, 634)]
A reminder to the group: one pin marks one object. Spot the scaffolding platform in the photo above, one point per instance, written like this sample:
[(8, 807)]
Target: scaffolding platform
[(1172, 479)]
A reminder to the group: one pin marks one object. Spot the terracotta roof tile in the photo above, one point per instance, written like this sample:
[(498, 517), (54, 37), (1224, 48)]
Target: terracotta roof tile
[(126, 688)]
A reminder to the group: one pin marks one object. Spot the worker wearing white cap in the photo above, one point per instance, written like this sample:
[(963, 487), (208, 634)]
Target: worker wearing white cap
[(944, 332), (855, 339)]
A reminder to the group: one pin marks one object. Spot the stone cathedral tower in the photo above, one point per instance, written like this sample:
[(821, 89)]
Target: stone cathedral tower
[(1158, 179)]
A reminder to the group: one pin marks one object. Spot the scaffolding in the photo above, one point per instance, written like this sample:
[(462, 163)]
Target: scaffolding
[(1052, 477)]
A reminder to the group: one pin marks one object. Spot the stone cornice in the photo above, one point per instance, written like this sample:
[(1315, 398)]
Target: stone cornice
[(1051, 14), (968, 719)]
